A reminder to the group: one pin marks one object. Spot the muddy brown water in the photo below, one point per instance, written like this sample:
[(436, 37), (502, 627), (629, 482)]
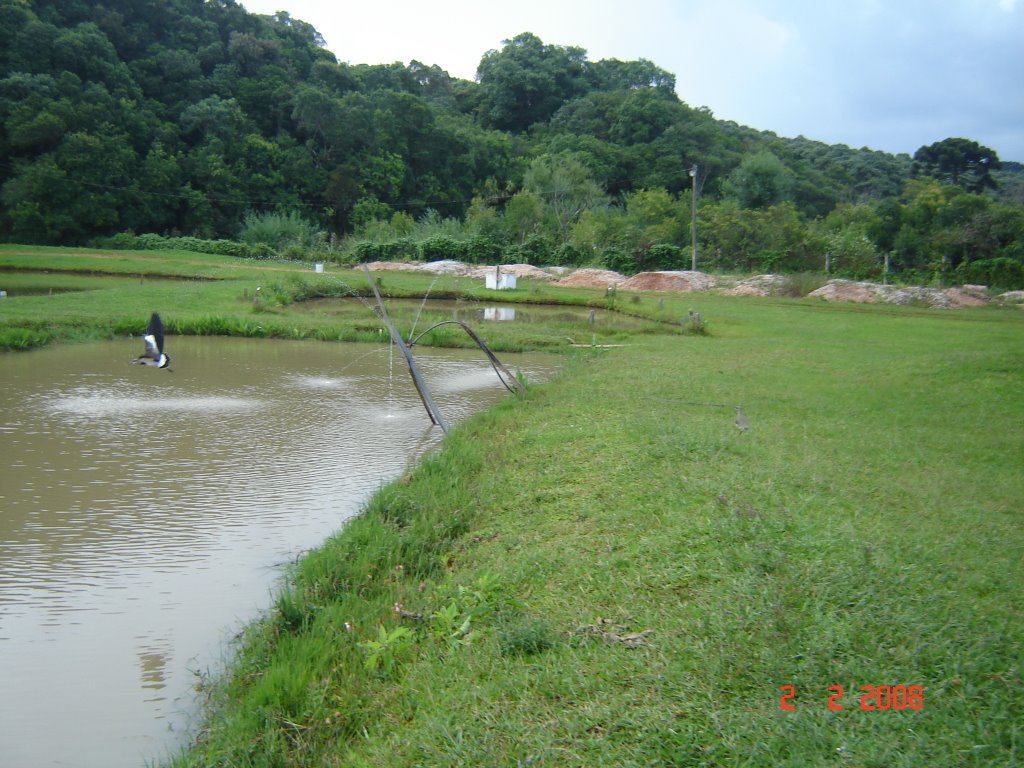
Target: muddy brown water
[(145, 515)]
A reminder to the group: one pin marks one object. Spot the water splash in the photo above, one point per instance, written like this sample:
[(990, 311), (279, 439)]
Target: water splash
[(422, 304)]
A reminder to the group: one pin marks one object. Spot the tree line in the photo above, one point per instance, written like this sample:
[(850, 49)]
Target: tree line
[(195, 121)]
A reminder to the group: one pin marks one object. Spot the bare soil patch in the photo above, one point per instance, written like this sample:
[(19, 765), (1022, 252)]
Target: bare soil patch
[(519, 270), (592, 278), (681, 281), (759, 285), (875, 293)]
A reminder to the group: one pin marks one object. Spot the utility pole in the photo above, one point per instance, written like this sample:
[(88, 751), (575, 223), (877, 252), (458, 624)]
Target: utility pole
[(693, 176)]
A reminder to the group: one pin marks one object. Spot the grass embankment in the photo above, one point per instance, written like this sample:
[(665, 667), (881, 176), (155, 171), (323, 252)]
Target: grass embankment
[(66, 294), (607, 573)]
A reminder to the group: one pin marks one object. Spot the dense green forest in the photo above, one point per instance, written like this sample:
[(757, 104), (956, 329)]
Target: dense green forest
[(142, 122)]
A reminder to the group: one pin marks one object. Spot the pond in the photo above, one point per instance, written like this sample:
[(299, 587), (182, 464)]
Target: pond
[(146, 515), (419, 313)]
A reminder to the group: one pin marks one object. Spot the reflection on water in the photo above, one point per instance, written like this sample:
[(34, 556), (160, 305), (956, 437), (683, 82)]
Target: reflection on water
[(152, 661), (145, 515), (497, 313)]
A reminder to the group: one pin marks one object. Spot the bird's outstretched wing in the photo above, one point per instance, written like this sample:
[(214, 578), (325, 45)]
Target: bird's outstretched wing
[(154, 337), (154, 341)]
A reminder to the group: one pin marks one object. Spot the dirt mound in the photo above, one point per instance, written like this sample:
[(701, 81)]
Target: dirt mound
[(848, 290), (592, 278), (939, 298), (444, 267), (524, 271), (669, 281), (759, 285), (919, 296), (963, 297), (383, 266), (452, 267)]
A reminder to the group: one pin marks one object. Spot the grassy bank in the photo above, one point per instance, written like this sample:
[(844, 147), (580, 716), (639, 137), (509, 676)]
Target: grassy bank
[(80, 294), (606, 572)]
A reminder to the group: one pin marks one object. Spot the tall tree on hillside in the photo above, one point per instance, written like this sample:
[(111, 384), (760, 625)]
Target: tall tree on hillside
[(962, 162), (644, 115), (527, 81), (613, 75), (564, 183), (760, 181)]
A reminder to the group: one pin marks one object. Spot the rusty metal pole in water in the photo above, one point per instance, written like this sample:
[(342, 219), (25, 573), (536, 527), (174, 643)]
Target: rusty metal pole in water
[(414, 371)]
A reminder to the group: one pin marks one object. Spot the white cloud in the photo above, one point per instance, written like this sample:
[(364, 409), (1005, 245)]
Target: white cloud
[(740, 57), (877, 73)]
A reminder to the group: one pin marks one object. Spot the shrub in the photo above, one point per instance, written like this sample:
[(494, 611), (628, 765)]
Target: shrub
[(193, 244), (617, 260), (151, 242), (366, 251), (278, 230), (154, 242), (262, 251), (664, 256), (999, 272), (480, 249), (122, 241), (568, 255), (225, 248), (402, 249), (853, 255), (441, 248), (536, 250)]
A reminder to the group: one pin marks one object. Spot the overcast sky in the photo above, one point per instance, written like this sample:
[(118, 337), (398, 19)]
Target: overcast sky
[(892, 75)]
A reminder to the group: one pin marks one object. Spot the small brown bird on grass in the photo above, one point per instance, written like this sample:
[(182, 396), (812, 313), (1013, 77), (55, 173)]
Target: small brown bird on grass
[(741, 420)]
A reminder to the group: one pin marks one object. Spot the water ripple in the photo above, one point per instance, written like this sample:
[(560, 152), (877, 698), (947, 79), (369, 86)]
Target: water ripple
[(93, 405), (147, 514)]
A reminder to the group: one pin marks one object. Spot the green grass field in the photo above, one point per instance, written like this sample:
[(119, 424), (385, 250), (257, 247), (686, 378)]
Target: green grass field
[(607, 572)]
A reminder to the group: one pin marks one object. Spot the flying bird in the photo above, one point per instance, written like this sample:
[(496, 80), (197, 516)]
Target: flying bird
[(741, 420), (154, 339)]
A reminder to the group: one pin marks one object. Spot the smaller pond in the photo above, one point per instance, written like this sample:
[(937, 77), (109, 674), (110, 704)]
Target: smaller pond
[(473, 311), (18, 283), (38, 290)]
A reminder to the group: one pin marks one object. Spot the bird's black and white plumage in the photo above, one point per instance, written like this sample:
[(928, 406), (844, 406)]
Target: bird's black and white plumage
[(154, 338)]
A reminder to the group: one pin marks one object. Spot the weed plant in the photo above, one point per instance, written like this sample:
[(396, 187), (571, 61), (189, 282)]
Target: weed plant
[(278, 230)]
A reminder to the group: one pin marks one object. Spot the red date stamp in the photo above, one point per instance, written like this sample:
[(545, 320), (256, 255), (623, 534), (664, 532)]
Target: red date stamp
[(874, 697)]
